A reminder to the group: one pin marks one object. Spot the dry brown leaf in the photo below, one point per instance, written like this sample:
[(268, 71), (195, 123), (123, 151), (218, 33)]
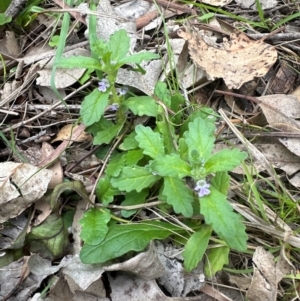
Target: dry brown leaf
[(283, 112), (237, 60), (66, 132), (216, 2), (20, 186), (56, 168)]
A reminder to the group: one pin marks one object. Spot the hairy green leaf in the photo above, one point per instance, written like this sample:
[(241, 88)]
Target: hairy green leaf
[(115, 165), (216, 259), (196, 247), (200, 139), (107, 135), (171, 166), (104, 191), (121, 239), (178, 195), (79, 62), (129, 142), (150, 142), (133, 198), (49, 238), (224, 160), (94, 226), (138, 58), (221, 182), (162, 92), (227, 224), (134, 178), (142, 105), (118, 45), (93, 106), (134, 156)]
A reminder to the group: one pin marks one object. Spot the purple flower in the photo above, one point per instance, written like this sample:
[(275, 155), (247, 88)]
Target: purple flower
[(114, 107), (103, 85), (203, 188), (122, 91)]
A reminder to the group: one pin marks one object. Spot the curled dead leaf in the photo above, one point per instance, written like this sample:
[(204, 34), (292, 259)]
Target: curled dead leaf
[(66, 132), (237, 60)]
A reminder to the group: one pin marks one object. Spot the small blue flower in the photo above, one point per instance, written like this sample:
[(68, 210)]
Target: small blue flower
[(103, 85), (114, 107), (122, 91), (203, 188)]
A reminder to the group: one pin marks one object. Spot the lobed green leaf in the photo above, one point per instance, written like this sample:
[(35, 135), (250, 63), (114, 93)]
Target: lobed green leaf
[(104, 191), (149, 141), (133, 198), (196, 247), (200, 139), (178, 195), (227, 224), (118, 45), (138, 58), (224, 160), (79, 62), (142, 105), (216, 259), (107, 135), (94, 226), (171, 166), (93, 106), (134, 178)]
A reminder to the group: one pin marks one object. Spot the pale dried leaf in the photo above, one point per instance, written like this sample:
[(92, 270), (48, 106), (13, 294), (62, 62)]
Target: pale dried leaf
[(280, 157), (216, 2), (131, 287), (43, 210), (132, 10), (241, 282), (236, 61), (145, 264), (20, 186), (63, 77), (265, 4), (267, 274), (176, 280), (145, 83), (283, 112), (295, 180), (49, 96), (109, 22)]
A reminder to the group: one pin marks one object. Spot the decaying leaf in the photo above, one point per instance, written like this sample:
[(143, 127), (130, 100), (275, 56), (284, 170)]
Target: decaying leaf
[(63, 77), (131, 287), (237, 60), (267, 274), (265, 4), (20, 186), (217, 2), (56, 168), (282, 112), (145, 265)]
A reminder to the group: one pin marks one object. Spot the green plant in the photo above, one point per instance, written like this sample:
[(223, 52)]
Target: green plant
[(173, 159)]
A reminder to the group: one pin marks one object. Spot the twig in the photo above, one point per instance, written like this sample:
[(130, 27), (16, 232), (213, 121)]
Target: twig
[(170, 5), (14, 8)]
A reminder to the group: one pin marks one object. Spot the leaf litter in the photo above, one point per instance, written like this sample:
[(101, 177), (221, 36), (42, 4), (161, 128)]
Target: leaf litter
[(237, 60)]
